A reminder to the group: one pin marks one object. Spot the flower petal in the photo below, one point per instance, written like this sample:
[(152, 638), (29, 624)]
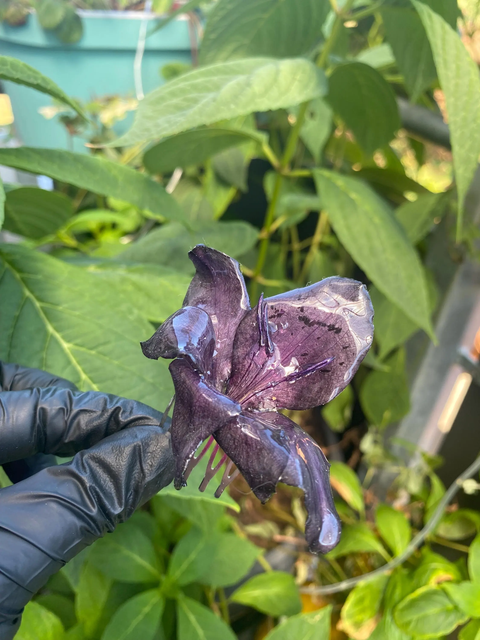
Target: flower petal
[(199, 411), (269, 448), (300, 349), (219, 289), (188, 332)]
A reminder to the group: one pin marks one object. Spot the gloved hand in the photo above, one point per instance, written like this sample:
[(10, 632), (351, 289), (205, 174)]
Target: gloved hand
[(49, 517)]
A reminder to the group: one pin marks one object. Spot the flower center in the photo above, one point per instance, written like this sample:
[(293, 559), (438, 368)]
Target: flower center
[(229, 474)]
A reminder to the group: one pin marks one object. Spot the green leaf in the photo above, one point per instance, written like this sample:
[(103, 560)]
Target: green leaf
[(60, 605), (2, 203), (51, 12), (474, 560), (195, 147), (126, 555), (155, 291), (384, 395), (70, 29), (196, 622), (39, 623), (435, 569), (466, 596), (212, 558), (170, 243), (357, 538), (231, 166), (35, 213), (437, 491), (378, 57), (4, 479), (262, 28), (459, 525), (338, 412), (60, 318), (345, 481), (22, 73), (409, 42), (366, 103), (428, 613), (471, 631), (369, 232), (274, 593), (95, 174), (394, 528), (304, 626), (458, 75), (359, 613), (418, 217), (91, 596), (316, 127), (223, 91), (137, 619)]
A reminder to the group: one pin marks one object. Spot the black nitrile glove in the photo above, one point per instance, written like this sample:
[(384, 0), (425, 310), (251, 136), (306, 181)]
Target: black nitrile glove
[(49, 517)]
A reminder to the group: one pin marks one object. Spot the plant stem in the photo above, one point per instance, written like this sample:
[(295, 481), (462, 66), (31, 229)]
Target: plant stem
[(295, 252), (345, 585), (320, 230), (364, 13), (450, 544), (223, 605)]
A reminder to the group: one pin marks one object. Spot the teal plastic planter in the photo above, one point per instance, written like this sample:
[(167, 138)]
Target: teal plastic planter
[(101, 63)]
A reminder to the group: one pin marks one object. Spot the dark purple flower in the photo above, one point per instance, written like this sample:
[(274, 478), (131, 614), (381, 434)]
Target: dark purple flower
[(234, 367)]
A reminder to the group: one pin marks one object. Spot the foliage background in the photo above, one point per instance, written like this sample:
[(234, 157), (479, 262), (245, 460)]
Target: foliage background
[(284, 149)]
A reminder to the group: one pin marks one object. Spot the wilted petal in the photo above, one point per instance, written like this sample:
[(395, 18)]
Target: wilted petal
[(188, 332), (219, 289), (269, 448), (199, 411), (317, 338)]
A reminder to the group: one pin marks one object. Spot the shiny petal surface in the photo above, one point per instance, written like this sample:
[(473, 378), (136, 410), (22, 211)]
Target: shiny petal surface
[(188, 332), (219, 289), (199, 411), (269, 448), (300, 349)]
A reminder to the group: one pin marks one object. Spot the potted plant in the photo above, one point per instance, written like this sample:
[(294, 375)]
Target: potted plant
[(88, 48)]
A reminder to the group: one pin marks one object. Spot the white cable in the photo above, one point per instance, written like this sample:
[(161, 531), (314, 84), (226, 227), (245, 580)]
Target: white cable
[(137, 64)]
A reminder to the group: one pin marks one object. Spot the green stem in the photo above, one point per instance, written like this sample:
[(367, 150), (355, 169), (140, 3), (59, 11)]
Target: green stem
[(364, 13), (223, 605), (320, 230), (345, 585)]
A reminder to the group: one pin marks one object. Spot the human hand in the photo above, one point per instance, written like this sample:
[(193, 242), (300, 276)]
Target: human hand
[(121, 459)]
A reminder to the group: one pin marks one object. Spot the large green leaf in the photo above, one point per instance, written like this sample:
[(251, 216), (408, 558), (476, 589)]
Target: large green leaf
[(38, 622), (126, 555), (394, 528), (262, 28), (224, 91), (359, 613), (474, 560), (197, 622), (384, 395), (194, 147), (411, 48), (418, 217), (304, 626), (35, 213), (153, 290), (345, 481), (428, 613), (458, 75), (95, 174), (170, 243), (58, 317), (136, 619), (466, 596), (274, 593), (316, 127), (212, 558), (91, 595), (471, 631), (366, 102), (376, 241), (22, 73)]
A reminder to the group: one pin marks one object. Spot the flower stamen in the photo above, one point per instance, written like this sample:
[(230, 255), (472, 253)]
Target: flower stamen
[(227, 478), (194, 460), (211, 469)]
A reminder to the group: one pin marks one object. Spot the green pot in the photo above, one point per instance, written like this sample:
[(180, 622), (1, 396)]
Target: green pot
[(100, 64)]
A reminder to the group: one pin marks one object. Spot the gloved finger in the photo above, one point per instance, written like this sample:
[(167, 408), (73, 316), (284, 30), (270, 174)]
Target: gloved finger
[(14, 377), (62, 422), (49, 518)]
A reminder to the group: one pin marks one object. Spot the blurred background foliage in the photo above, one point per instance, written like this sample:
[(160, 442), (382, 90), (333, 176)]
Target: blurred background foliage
[(286, 147)]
